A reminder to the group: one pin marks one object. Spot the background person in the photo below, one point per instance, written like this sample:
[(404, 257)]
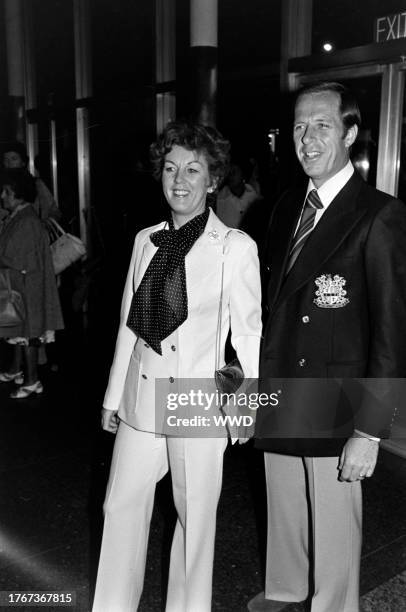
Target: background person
[(15, 156), (168, 330), (337, 310), (235, 199), (24, 250)]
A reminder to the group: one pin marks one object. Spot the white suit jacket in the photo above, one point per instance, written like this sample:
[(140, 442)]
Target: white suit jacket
[(190, 351)]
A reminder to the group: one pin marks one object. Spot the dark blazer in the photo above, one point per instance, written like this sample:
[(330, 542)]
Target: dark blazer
[(361, 241)]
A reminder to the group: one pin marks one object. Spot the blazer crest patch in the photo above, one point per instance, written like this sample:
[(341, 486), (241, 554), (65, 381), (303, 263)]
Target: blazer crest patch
[(330, 292)]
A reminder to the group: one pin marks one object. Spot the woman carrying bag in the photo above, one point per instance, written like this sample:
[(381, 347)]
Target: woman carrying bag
[(168, 330), (25, 253)]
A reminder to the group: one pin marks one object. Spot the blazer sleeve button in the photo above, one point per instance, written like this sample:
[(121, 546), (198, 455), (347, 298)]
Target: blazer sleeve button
[(305, 319), (302, 362)]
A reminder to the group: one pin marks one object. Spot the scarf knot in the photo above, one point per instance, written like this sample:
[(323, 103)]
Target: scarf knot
[(160, 305)]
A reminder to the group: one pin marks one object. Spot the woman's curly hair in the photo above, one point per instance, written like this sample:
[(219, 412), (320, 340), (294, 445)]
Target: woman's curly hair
[(194, 137)]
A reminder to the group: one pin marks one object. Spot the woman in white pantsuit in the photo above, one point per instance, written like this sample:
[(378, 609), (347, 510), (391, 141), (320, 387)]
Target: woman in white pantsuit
[(168, 331)]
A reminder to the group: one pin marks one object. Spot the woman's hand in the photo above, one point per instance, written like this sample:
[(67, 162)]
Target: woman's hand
[(109, 420)]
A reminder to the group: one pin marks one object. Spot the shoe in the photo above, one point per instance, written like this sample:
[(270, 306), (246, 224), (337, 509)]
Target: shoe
[(23, 392), (260, 604), (18, 377)]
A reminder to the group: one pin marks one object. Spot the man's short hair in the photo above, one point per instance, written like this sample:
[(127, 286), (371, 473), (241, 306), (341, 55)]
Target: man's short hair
[(349, 109)]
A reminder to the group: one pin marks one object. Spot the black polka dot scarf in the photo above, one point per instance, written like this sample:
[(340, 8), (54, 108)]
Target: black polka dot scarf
[(159, 306)]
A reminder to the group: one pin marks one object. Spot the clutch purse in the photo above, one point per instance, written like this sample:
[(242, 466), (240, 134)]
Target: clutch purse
[(229, 378)]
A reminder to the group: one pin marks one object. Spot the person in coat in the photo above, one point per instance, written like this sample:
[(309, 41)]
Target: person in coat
[(25, 253), (335, 342), (168, 327)]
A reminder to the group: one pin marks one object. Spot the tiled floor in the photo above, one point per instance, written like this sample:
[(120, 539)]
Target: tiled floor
[(53, 468)]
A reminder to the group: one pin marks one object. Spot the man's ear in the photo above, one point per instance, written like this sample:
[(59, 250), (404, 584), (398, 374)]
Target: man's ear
[(351, 136)]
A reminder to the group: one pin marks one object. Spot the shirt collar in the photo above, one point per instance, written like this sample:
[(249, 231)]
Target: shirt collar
[(328, 191)]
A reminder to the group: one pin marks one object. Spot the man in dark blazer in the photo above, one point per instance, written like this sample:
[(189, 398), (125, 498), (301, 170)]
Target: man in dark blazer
[(334, 342)]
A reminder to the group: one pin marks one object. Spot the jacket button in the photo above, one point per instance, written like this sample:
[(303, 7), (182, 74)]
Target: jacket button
[(305, 319), (171, 379), (302, 362), (144, 376), (173, 347)]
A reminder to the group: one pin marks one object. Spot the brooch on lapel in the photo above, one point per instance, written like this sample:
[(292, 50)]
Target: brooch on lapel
[(330, 292), (214, 235)]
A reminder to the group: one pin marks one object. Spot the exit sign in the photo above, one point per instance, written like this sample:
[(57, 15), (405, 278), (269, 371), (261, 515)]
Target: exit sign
[(390, 27)]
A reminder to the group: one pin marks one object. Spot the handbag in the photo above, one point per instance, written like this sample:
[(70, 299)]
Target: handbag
[(65, 248), (230, 377), (12, 309)]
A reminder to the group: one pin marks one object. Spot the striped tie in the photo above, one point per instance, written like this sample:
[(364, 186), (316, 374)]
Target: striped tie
[(306, 224)]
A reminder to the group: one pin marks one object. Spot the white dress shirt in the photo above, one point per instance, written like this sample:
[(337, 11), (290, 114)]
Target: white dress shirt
[(328, 191)]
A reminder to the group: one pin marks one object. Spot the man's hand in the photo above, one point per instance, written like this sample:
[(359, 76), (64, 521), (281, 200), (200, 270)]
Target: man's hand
[(109, 420), (358, 459)]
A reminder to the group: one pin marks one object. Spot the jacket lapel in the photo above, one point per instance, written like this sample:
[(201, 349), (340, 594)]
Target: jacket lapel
[(279, 239), (204, 257), (334, 226)]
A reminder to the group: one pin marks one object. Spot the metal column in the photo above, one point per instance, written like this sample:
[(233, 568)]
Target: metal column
[(21, 74), (15, 65), (53, 153), (390, 129), (30, 88), (203, 42), (165, 20), (83, 79), (296, 36)]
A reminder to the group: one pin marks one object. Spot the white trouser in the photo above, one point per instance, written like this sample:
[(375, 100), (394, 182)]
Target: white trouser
[(139, 461), (336, 523)]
